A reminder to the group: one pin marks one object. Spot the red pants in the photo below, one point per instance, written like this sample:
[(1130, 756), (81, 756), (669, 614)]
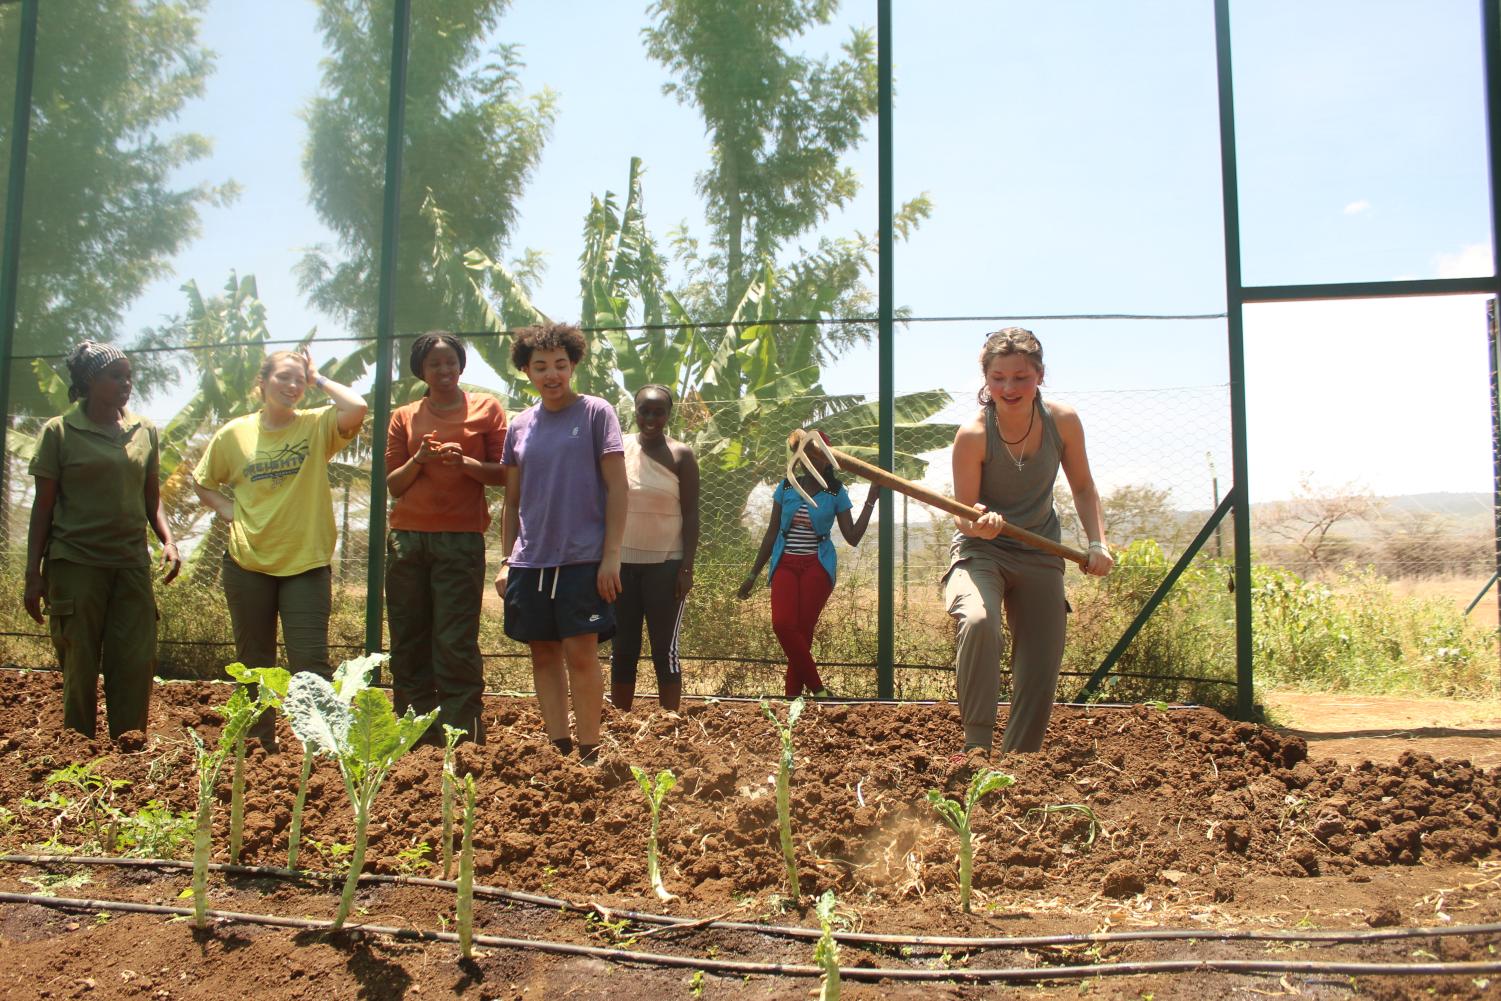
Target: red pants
[(800, 588)]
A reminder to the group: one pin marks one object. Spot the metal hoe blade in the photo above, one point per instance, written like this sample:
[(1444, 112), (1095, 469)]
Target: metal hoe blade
[(799, 456)]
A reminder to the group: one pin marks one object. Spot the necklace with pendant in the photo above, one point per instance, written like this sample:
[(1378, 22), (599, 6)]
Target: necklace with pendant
[(1016, 461)]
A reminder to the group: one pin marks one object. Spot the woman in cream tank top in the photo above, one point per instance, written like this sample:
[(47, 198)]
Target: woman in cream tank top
[(656, 556)]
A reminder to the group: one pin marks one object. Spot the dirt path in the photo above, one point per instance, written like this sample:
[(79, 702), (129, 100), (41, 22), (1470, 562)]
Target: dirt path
[(1379, 728)]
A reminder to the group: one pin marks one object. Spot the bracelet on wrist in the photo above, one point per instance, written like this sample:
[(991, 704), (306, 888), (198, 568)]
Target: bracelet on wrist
[(1099, 547)]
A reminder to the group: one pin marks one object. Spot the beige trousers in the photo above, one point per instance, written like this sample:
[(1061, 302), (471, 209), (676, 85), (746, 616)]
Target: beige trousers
[(1028, 587)]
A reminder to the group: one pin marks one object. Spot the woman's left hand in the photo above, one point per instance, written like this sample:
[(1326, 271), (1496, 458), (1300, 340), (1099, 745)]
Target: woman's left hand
[(171, 562), (684, 582), (1100, 562)]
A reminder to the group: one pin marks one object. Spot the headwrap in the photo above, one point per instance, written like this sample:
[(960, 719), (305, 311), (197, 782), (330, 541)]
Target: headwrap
[(87, 360)]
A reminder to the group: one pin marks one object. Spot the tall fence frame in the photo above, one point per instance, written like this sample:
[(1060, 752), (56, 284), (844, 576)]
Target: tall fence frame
[(1237, 296)]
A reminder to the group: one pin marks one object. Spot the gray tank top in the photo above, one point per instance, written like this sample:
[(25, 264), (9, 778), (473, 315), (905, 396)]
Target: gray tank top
[(1024, 497)]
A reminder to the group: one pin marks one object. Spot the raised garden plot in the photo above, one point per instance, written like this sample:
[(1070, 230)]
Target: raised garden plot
[(1174, 822)]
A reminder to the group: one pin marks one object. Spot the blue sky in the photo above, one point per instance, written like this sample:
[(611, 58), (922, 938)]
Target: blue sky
[(1071, 152)]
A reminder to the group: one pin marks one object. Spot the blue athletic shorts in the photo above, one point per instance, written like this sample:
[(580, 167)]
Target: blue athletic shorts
[(553, 603)]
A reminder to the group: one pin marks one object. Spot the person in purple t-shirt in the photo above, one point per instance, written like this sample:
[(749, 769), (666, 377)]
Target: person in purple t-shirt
[(564, 522)]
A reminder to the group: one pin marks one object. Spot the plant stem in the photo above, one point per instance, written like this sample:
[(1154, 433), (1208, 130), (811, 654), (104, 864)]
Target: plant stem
[(466, 874), (237, 802), (356, 863), (966, 861), (203, 833), (294, 840), (784, 817), (448, 781)]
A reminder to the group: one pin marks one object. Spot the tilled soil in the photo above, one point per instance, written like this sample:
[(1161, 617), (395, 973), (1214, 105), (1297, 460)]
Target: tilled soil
[(1174, 819)]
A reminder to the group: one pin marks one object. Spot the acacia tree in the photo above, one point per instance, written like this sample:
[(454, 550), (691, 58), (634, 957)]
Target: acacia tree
[(1306, 522), (104, 212), (472, 140)]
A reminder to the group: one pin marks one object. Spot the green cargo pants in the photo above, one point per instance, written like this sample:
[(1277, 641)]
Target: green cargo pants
[(435, 582), (303, 603), (103, 619)]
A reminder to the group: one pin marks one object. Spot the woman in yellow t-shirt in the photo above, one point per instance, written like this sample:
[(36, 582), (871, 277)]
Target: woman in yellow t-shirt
[(266, 474)]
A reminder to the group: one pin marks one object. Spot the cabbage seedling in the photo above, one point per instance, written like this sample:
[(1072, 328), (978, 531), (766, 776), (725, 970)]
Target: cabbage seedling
[(350, 677), (270, 685), (784, 789), (465, 914), (366, 737), (239, 713), (826, 953), (958, 817), (656, 790), (451, 735)]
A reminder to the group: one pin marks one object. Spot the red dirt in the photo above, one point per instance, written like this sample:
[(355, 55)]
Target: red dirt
[(1205, 823)]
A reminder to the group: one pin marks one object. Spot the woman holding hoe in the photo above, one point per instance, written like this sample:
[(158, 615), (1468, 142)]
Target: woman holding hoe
[(803, 562), (1006, 461), (441, 453), (274, 465), (564, 521), (97, 488), (661, 540)]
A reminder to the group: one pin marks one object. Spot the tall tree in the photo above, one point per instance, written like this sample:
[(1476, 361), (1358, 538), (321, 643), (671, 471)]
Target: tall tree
[(104, 212), (780, 124), (472, 141)]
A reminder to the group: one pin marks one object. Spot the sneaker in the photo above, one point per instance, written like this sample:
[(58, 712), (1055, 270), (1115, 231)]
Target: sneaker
[(822, 693)]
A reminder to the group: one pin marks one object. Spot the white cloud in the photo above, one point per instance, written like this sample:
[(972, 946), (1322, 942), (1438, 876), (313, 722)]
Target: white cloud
[(1355, 208), (1470, 261)]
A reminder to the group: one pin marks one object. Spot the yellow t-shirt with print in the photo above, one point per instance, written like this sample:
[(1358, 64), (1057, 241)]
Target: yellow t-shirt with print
[(284, 511)]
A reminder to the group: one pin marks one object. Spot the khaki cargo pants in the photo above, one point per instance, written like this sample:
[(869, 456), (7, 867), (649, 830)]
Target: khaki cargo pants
[(103, 619), (1027, 587)]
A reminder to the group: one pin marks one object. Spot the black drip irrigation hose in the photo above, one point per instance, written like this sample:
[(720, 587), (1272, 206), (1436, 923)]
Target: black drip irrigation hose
[(1014, 974), (668, 921)]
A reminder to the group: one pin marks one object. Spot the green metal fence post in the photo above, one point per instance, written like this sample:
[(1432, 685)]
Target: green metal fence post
[(385, 323), (1490, 22), (1235, 310), (10, 252), (886, 584)]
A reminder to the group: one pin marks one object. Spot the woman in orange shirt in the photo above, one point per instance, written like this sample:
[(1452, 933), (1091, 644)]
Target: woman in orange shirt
[(441, 453)]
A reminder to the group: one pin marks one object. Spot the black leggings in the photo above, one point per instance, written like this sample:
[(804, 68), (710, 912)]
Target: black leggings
[(647, 591)]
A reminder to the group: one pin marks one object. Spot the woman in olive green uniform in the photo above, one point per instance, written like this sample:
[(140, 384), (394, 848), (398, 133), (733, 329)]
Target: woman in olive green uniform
[(96, 470)]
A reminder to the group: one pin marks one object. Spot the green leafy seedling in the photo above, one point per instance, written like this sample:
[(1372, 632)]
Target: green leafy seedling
[(826, 953), (239, 713), (451, 737), (350, 677), (155, 831), (656, 790), (366, 737), (92, 804), (465, 911), (784, 790), (958, 816), (270, 686)]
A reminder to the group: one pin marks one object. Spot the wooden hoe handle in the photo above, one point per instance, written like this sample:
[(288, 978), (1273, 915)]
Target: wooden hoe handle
[(932, 498)]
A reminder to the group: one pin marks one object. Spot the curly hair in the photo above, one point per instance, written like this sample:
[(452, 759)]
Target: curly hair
[(548, 338)]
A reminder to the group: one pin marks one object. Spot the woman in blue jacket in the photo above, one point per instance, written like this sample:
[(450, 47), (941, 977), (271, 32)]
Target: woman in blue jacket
[(803, 563)]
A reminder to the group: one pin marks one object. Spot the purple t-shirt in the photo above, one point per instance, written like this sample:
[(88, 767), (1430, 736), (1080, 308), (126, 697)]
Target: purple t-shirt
[(562, 492)]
